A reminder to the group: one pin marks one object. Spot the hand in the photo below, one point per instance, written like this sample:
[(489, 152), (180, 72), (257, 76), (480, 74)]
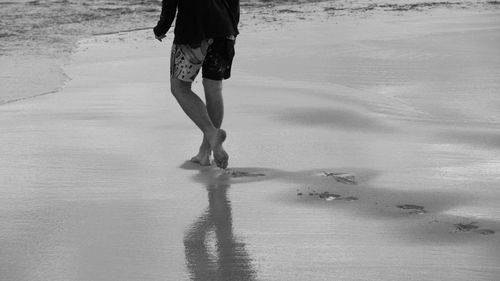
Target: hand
[(159, 38)]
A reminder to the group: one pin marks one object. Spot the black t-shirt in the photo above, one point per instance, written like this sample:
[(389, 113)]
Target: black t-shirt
[(199, 19)]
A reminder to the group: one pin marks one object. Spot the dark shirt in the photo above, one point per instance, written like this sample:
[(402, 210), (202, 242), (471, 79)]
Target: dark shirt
[(199, 19)]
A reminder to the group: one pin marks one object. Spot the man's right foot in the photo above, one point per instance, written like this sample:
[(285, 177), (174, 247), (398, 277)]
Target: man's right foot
[(220, 155), (202, 158)]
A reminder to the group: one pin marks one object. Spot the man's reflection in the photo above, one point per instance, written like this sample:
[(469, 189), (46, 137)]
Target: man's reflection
[(212, 251)]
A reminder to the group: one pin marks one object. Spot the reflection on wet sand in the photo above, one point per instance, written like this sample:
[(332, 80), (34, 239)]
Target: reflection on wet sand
[(212, 251)]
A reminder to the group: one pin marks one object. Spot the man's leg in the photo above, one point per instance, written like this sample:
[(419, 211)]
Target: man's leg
[(195, 109), (213, 97), (215, 109)]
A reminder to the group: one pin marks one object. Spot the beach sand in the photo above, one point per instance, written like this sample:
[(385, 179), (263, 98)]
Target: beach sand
[(361, 148)]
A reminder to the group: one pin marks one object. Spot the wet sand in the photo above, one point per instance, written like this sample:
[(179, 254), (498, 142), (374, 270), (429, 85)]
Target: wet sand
[(345, 162)]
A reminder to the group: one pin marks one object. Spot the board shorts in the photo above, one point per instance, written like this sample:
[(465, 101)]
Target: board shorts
[(213, 56)]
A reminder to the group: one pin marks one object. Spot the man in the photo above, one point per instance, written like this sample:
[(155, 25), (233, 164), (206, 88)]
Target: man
[(205, 32)]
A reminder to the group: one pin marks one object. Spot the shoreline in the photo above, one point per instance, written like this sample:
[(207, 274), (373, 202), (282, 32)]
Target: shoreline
[(275, 13)]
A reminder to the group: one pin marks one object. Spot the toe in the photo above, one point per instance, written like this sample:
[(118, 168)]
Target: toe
[(218, 164), (222, 163)]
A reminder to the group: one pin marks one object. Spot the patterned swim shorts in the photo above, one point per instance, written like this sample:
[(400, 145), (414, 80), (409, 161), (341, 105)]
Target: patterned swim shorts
[(213, 56)]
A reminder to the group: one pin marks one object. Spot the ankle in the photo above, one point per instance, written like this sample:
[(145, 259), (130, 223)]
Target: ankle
[(211, 134)]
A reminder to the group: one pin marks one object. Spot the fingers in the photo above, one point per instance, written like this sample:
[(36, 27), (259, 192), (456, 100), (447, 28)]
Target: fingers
[(159, 38)]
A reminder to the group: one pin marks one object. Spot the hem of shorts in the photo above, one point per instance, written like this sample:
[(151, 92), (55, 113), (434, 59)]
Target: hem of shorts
[(183, 80), (215, 78)]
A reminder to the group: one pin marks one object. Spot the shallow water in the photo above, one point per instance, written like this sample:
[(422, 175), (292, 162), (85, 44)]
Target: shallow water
[(94, 184)]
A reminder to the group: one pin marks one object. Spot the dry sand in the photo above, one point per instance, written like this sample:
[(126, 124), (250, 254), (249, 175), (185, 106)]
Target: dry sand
[(349, 160)]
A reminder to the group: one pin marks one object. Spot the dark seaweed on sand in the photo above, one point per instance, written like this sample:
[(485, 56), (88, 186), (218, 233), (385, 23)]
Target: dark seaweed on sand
[(472, 226), (342, 177), (240, 174), (463, 227), (414, 209)]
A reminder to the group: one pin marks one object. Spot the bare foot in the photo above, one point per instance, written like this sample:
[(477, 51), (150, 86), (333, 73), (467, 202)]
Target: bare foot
[(220, 155), (202, 158)]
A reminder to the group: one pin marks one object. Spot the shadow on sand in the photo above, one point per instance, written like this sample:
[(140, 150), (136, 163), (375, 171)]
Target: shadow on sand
[(351, 188)]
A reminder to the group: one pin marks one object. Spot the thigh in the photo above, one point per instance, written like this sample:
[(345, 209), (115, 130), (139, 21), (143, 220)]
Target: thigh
[(186, 62), (219, 59)]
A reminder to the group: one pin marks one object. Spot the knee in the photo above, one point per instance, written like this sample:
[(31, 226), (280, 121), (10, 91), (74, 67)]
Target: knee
[(212, 85), (179, 87)]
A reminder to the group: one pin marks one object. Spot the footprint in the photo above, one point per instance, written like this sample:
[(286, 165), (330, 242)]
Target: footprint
[(329, 196), (413, 209)]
